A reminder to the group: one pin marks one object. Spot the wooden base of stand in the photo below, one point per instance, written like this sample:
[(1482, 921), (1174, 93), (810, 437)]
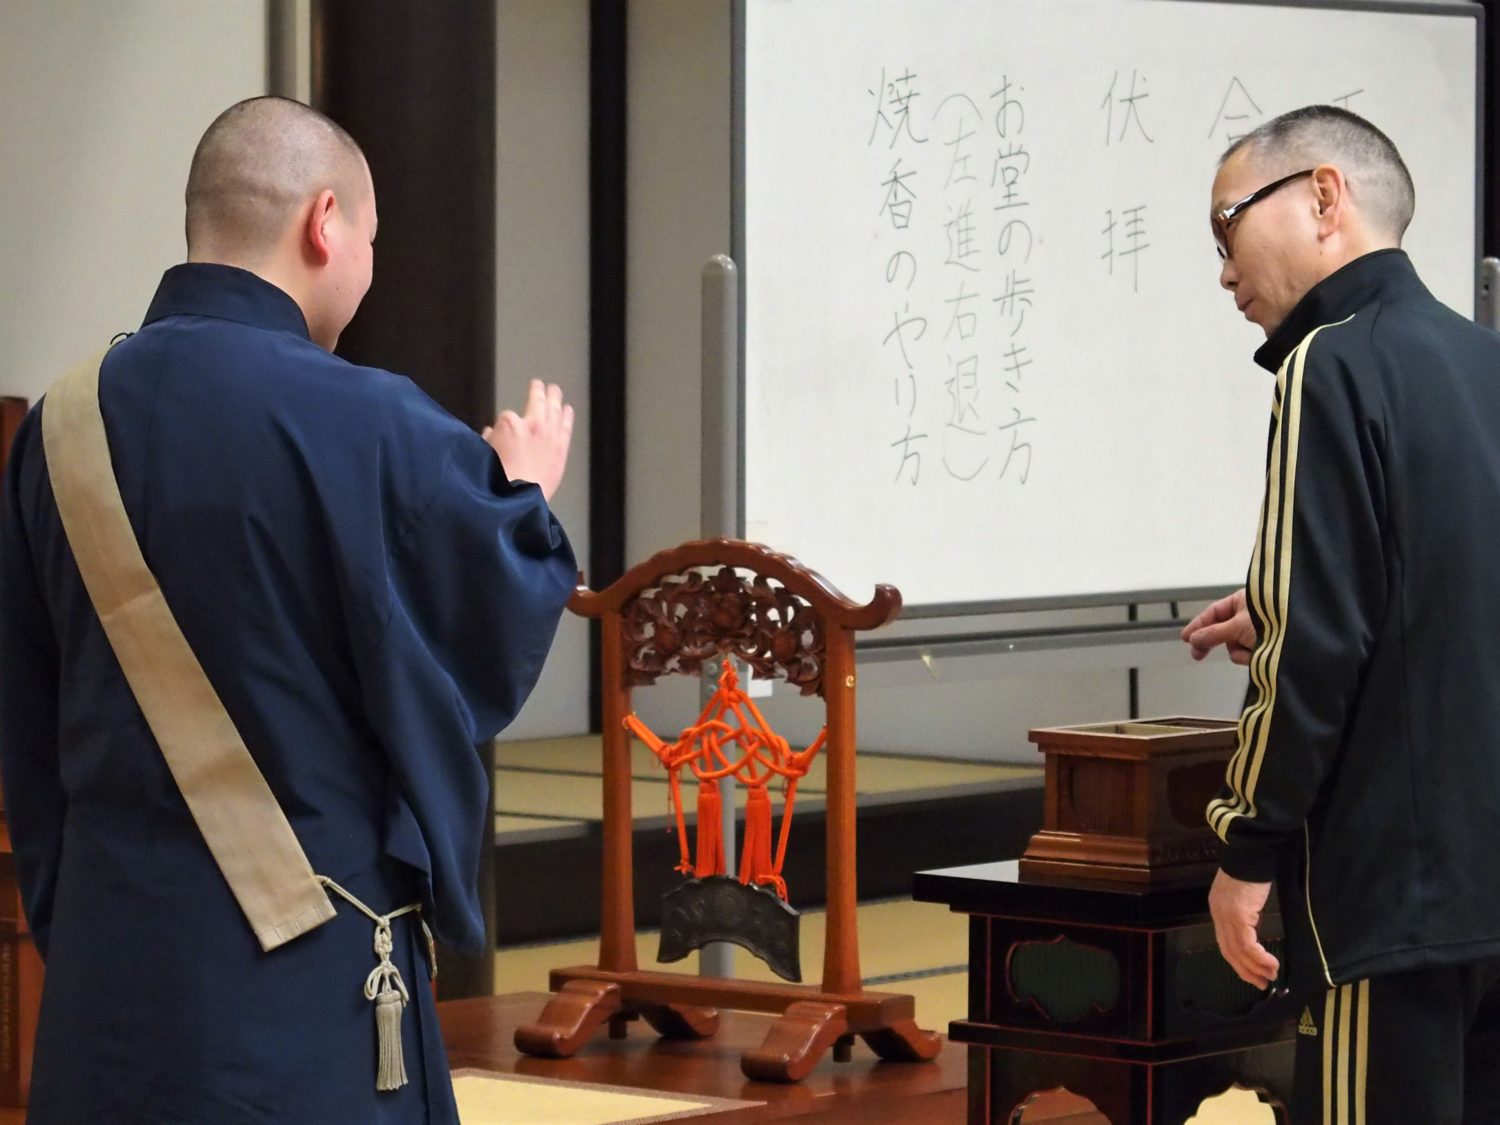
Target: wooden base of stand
[(679, 1006), (797, 1041)]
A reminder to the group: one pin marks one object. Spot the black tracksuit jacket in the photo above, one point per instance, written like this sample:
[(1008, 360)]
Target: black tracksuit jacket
[(1367, 778)]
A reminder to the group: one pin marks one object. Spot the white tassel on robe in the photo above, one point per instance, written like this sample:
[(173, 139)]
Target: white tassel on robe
[(386, 988)]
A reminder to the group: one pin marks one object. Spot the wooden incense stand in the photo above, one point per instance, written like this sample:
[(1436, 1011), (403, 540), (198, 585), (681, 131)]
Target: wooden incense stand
[(1093, 963), (663, 617), (1124, 801)]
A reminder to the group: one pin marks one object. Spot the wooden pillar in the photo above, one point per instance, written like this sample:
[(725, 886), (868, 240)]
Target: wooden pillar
[(841, 952), (617, 921), (608, 93), (414, 84), (1489, 108)]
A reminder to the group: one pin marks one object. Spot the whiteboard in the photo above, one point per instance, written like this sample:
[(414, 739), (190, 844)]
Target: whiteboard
[(986, 357)]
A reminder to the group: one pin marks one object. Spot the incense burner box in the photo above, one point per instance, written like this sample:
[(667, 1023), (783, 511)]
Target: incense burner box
[(1125, 801)]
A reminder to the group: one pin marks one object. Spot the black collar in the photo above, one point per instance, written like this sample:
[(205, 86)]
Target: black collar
[(227, 293), (1375, 276)]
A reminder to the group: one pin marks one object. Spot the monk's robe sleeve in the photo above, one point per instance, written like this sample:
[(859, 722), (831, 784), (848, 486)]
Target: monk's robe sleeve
[(477, 573), (35, 805), (1317, 593)]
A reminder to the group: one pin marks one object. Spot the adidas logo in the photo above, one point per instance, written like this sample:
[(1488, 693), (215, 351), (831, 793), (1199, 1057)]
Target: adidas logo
[(1305, 1025)]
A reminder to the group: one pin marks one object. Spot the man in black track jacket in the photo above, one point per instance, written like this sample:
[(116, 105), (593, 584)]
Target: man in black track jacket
[(1367, 778)]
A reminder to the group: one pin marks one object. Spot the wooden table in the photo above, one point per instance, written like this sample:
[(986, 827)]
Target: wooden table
[(478, 1033), (1115, 991)]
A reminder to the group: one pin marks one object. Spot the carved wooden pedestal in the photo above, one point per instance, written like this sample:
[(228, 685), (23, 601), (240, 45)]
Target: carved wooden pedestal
[(1125, 800), (1115, 991)]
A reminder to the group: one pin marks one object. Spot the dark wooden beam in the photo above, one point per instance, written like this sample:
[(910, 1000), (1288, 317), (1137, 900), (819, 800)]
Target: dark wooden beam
[(414, 84), (607, 248), (1489, 144)]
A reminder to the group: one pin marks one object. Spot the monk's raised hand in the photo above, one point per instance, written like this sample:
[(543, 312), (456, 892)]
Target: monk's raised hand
[(533, 446)]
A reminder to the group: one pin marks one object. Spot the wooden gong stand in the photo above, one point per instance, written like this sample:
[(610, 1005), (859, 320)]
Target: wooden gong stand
[(666, 616)]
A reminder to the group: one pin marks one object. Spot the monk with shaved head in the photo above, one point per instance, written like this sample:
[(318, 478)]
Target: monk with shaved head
[(278, 189), (253, 630)]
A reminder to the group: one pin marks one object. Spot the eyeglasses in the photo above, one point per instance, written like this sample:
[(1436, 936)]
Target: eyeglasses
[(1220, 220)]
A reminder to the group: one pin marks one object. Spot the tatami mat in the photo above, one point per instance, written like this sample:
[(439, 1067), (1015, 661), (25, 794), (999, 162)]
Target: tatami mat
[(579, 754), (874, 773), (490, 1098), (512, 823), (550, 782), (896, 938)]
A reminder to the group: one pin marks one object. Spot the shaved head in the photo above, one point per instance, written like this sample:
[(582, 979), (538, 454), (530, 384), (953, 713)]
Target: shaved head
[(1304, 138), (256, 166)]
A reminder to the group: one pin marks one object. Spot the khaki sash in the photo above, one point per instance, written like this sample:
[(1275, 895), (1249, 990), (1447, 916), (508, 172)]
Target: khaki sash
[(245, 829)]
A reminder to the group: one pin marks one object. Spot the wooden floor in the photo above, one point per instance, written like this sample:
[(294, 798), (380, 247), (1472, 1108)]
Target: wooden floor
[(905, 946), (478, 1033)]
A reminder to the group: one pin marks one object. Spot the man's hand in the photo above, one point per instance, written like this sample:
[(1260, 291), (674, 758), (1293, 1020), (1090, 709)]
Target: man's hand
[(534, 446), (1236, 908), (1226, 622)]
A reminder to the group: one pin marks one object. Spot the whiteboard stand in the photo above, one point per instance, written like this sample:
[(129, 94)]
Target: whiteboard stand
[(1487, 305), (898, 662)]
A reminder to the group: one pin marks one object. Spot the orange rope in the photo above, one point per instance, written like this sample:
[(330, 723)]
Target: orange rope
[(748, 750), (710, 831)]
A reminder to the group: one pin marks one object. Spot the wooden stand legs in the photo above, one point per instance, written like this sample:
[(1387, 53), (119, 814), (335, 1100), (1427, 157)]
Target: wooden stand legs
[(796, 1042), (803, 1033), (680, 1021), (578, 1009), (904, 1041), (807, 1029), (570, 1019)]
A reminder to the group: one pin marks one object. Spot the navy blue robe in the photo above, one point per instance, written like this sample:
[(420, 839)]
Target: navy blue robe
[(373, 599)]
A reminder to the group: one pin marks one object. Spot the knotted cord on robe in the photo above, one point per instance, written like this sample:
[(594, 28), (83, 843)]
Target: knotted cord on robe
[(385, 988)]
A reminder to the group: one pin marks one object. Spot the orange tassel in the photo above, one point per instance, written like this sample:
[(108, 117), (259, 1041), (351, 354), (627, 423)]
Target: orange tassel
[(755, 866), (710, 831)]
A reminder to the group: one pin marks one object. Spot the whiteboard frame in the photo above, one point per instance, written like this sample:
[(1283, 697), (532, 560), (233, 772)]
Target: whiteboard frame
[(736, 519)]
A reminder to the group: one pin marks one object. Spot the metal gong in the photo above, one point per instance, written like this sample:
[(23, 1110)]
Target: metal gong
[(719, 908)]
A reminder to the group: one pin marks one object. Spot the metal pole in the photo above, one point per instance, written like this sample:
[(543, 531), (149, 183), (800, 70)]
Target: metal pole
[(718, 511), (289, 49), (1488, 312)]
